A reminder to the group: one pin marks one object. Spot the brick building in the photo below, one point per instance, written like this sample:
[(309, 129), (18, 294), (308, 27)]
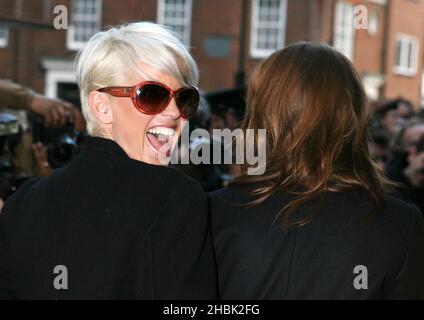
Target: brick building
[(227, 38)]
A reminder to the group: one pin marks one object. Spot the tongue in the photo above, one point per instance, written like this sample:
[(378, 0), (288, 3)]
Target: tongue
[(159, 143)]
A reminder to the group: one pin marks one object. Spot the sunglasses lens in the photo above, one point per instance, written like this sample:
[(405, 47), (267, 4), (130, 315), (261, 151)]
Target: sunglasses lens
[(152, 98), (188, 101)]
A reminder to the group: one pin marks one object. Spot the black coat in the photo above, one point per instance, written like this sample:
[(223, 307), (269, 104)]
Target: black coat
[(256, 259), (121, 227)]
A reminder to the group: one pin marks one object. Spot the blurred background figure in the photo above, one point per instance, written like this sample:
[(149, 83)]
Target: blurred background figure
[(398, 153), (10, 136), (216, 121), (231, 119), (392, 116), (209, 175), (379, 147), (42, 162), (397, 139), (18, 163), (411, 177)]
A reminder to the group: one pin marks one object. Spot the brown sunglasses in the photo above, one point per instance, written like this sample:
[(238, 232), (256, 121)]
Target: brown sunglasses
[(152, 97)]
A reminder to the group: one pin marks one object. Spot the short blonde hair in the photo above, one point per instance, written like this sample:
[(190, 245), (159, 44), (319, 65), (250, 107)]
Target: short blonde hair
[(110, 54)]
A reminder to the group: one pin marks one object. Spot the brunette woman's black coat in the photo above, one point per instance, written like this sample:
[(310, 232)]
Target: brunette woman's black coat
[(332, 257), (122, 228)]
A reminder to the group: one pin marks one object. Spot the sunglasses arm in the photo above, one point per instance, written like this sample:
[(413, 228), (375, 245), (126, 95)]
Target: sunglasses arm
[(117, 91)]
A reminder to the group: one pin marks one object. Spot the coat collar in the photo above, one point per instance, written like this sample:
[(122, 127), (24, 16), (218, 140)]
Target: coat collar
[(105, 145)]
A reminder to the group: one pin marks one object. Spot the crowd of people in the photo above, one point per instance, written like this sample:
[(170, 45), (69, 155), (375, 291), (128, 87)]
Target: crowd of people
[(397, 144)]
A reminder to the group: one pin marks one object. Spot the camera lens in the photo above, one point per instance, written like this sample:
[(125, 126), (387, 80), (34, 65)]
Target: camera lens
[(62, 151)]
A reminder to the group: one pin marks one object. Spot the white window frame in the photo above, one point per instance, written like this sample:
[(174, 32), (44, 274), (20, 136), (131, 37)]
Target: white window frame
[(256, 52), (71, 43), (54, 77), (372, 83), (57, 71), (344, 29), (186, 21), (380, 2), (404, 69), (4, 41)]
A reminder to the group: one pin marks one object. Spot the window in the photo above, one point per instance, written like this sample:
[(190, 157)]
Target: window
[(373, 24), (86, 16), (344, 31), (406, 55), (268, 27), (57, 73), (372, 83), (177, 15), (4, 35)]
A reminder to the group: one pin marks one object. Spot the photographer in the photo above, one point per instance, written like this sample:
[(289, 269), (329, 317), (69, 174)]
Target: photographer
[(17, 163)]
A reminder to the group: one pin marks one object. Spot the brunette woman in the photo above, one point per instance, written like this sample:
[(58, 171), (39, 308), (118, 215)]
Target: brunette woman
[(319, 223)]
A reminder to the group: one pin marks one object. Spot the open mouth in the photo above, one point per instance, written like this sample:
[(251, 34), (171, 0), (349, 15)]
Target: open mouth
[(160, 138)]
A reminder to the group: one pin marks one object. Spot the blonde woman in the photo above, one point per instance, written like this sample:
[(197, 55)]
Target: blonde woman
[(115, 223)]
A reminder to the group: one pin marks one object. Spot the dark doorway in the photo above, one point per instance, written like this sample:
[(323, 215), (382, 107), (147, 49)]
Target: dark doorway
[(68, 91)]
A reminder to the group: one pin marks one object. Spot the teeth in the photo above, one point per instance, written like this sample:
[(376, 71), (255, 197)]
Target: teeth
[(162, 131)]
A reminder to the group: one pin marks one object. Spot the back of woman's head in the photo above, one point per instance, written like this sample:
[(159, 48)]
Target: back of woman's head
[(310, 100)]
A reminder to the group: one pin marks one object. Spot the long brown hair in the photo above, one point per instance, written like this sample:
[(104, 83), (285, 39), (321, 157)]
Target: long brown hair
[(310, 100)]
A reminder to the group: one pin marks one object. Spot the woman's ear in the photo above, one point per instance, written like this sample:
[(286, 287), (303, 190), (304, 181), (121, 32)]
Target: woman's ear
[(100, 107)]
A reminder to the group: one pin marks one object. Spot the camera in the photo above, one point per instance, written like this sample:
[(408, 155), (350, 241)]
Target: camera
[(62, 143), (10, 136)]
